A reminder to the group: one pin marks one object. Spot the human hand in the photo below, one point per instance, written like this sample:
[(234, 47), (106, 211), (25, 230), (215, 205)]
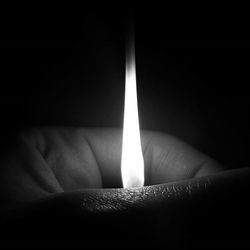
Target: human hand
[(58, 174)]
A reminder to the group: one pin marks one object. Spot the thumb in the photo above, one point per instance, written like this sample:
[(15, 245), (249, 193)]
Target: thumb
[(186, 212)]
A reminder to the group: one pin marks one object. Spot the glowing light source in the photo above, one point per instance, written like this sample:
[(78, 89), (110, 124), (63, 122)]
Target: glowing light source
[(132, 163)]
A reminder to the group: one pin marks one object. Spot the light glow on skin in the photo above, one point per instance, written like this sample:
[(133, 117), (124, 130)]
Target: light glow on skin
[(132, 162)]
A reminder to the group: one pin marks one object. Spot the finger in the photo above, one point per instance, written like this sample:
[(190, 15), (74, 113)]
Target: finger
[(166, 158), (212, 206)]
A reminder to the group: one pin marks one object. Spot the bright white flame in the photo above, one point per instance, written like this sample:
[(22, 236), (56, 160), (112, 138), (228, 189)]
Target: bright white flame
[(132, 163)]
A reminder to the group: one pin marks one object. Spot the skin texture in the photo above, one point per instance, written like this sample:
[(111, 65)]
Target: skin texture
[(56, 179)]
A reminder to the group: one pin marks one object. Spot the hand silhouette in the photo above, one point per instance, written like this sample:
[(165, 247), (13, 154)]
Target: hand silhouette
[(71, 176)]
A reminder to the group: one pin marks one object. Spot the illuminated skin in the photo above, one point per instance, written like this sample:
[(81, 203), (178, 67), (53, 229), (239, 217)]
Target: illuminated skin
[(67, 168)]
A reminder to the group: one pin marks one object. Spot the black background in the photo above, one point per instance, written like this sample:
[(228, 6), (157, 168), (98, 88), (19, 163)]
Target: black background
[(64, 64)]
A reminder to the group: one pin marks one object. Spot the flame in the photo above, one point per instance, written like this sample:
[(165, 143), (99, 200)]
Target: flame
[(132, 163)]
